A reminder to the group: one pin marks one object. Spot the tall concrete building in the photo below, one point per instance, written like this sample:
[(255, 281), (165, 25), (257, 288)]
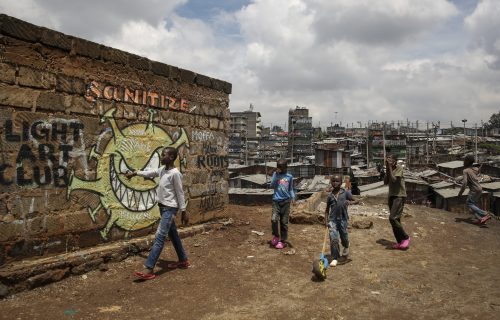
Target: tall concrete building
[(299, 134), (249, 119), (244, 136)]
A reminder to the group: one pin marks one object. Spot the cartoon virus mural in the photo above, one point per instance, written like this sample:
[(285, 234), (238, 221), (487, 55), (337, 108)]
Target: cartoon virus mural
[(129, 204)]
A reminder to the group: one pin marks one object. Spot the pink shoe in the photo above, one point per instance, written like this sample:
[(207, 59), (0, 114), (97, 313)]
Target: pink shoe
[(405, 244), (275, 241), (279, 245), (484, 219)]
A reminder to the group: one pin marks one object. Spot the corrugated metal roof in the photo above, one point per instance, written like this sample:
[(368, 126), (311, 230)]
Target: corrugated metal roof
[(270, 164), (371, 186), (452, 164), (427, 173), (450, 193), (492, 186), (441, 185), (416, 181), (258, 178), (250, 191), (236, 166)]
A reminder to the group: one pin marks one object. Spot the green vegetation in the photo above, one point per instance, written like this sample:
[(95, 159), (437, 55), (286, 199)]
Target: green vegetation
[(490, 147)]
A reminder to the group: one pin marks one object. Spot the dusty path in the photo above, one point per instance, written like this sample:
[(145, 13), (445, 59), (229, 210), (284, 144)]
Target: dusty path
[(451, 272)]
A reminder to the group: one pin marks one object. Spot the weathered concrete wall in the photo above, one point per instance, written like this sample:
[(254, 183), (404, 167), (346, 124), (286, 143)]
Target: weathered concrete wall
[(74, 116)]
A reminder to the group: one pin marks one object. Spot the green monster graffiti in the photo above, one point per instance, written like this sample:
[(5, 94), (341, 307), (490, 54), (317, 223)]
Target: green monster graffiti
[(129, 204)]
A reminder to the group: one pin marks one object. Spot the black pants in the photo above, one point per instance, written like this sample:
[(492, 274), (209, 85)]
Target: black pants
[(396, 205), (279, 219)]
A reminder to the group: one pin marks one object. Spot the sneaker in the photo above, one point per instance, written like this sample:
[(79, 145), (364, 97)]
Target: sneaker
[(405, 244), (179, 264), (484, 219), (333, 263), (275, 241), (345, 252), (279, 245)]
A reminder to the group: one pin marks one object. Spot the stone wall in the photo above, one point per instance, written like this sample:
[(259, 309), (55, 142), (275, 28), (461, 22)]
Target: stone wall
[(75, 115)]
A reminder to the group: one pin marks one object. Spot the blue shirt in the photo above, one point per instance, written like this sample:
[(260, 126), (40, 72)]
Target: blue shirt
[(283, 187), (337, 206)]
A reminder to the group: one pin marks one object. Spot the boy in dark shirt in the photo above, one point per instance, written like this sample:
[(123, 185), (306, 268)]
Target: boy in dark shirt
[(397, 197), (475, 190), (337, 218)]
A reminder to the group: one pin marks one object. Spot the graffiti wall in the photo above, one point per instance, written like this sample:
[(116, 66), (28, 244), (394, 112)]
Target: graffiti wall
[(75, 117)]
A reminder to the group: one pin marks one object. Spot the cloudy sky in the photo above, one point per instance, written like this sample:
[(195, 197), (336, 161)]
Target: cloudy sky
[(345, 60)]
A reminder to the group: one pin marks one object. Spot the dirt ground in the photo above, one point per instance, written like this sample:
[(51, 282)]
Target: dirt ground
[(451, 271)]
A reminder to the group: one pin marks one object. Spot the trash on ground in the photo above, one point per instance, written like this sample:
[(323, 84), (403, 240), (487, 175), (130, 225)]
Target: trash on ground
[(259, 233)]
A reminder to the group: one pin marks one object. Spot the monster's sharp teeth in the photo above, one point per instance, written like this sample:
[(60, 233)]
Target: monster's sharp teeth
[(137, 199), (140, 202), (123, 193), (152, 196), (114, 182), (147, 198), (129, 198), (134, 199)]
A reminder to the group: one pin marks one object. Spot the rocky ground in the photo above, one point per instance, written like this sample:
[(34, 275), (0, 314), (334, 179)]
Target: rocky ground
[(450, 272)]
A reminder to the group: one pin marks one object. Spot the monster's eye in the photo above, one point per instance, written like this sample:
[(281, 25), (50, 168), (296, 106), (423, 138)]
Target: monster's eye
[(124, 167), (154, 162)]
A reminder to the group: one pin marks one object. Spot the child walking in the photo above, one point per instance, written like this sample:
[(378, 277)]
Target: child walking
[(337, 218), (475, 190), (170, 197), (397, 197), (282, 183)]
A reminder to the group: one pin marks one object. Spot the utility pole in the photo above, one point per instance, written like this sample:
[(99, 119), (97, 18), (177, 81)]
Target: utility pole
[(367, 147), (293, 140), (451, 124), (434, 126), (475, 144), (465, 147), (246, 148), (427, 143), (383, 140)]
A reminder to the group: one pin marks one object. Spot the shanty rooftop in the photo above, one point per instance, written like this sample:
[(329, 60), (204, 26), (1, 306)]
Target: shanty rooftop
[(452, 164)]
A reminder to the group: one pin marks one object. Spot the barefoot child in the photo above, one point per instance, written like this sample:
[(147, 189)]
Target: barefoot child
[(475, 190), (397, 197), (170, 197), (337, 218), (282, 183)]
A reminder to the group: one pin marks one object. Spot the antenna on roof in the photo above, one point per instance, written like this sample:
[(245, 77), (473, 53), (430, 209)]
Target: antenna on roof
[(251, 107)]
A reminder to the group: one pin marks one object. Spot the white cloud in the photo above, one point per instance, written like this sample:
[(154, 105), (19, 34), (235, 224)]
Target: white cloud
[(90, 18), (31, 11), (364, 59), (484, 26), (378, 22)]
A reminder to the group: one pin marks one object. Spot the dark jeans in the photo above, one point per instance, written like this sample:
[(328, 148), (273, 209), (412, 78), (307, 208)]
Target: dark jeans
[(396, 205), (338, 228), (166, 226), (281, 212)]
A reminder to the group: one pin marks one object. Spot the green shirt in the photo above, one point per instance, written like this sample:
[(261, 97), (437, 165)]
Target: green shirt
[(397, 189)]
